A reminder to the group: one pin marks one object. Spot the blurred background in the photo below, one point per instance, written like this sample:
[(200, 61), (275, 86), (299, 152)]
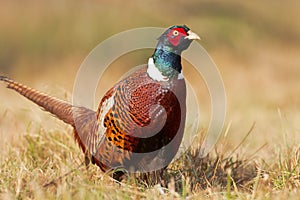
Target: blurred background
[(255, 44)]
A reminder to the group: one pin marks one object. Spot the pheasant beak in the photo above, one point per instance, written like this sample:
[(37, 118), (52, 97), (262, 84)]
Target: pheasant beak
[(192, 36)]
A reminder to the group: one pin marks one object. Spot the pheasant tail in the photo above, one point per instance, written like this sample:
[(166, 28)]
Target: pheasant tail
[(62, 109)]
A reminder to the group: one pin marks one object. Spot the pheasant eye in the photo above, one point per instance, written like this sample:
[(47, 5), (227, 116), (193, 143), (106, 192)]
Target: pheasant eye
[(175, 33)]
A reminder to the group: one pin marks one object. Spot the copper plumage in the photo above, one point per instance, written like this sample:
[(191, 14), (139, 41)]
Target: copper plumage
[(138, 115)]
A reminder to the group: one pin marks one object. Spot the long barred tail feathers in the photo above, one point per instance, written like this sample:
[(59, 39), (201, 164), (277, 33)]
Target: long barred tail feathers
[(61, 109)]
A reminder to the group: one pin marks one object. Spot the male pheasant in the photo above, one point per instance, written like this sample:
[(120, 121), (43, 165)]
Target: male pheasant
[(140, 121)]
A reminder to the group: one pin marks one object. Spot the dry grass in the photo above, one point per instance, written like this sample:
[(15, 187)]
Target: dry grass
[(49, 165), (254, 44)]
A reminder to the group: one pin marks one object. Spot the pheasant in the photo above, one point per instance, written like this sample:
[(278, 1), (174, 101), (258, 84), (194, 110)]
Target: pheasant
[(140, 121)]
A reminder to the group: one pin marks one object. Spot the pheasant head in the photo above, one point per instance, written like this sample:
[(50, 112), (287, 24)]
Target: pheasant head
[(167, 55)]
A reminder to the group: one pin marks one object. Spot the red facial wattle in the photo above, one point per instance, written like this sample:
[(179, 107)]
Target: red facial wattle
[(175, 38)]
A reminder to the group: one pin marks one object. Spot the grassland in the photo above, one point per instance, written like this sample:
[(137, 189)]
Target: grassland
[(254, 44)]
